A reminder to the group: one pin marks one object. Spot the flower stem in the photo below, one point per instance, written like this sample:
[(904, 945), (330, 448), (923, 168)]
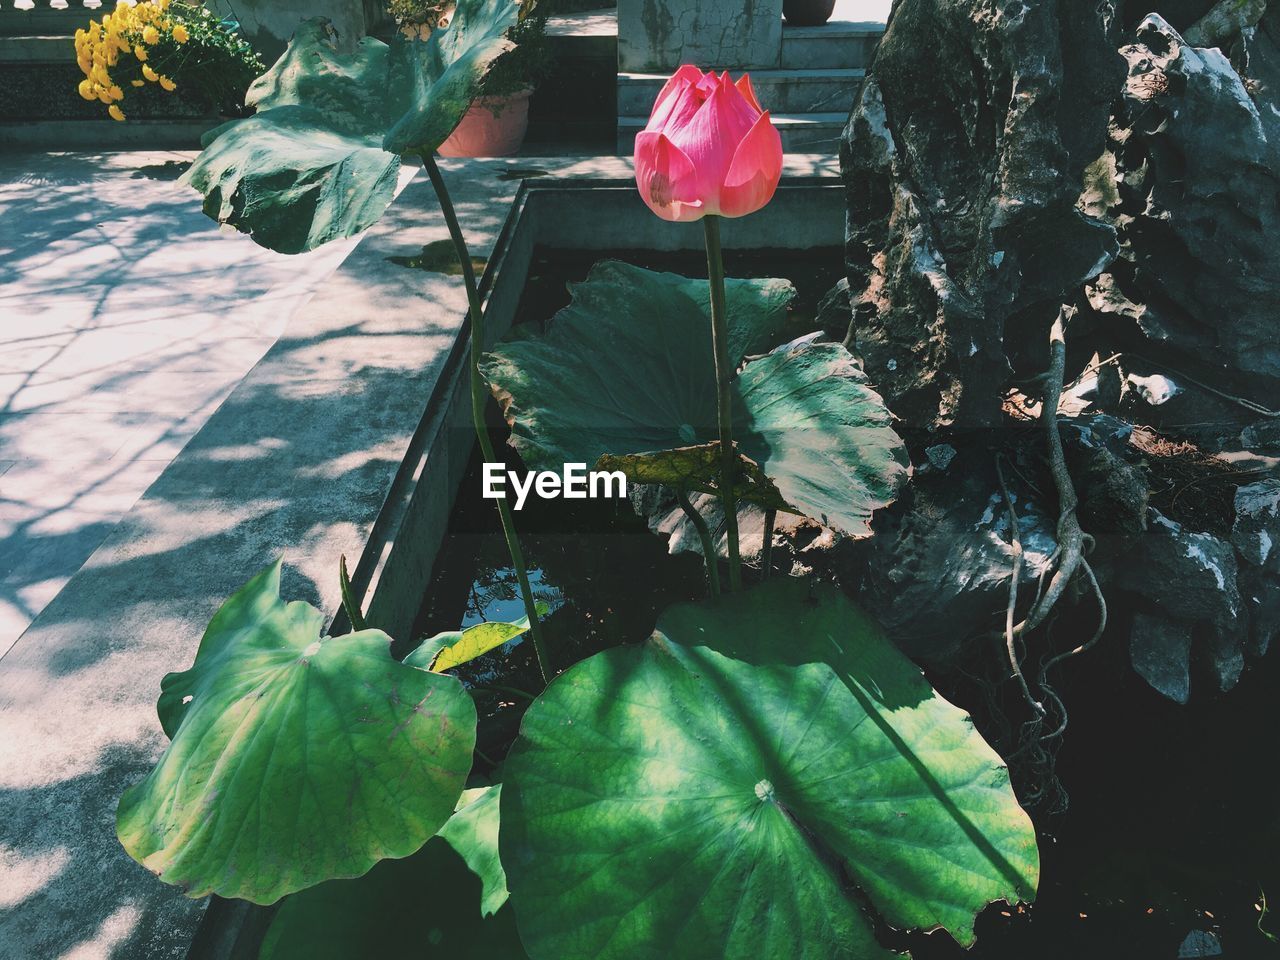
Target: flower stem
[(766, 549), (724, 398), (479, 399), (710, 556)]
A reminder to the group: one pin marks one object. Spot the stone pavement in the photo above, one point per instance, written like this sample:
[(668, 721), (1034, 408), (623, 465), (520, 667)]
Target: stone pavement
[(126, 318)]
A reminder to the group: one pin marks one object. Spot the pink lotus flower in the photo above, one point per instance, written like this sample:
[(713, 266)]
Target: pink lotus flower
[(708, 149)]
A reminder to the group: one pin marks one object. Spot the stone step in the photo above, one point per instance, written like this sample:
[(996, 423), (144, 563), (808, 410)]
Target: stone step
[(37, 49), (779, 91), (136, 134), (590, 33), (801, 133), (834, 45)]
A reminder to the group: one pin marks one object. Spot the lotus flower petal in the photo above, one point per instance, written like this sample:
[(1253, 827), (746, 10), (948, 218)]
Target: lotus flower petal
[(718, 153), (754, 173), (666, 178)]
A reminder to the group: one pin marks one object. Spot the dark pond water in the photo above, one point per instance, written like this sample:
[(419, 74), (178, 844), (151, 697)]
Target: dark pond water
[(1172, 814)]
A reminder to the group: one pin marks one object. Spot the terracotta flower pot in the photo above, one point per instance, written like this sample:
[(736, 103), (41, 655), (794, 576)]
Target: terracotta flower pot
[(807, 13), (492, 127)]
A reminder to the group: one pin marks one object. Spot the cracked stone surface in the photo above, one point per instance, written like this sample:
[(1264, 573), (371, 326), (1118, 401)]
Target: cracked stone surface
[(659, 35)]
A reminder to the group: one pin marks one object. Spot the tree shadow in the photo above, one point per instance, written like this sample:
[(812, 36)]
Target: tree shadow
[(297, 459)]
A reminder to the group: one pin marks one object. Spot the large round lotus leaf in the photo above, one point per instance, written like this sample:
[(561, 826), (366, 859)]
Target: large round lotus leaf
[(624, 379), (319, 159), (627, 366), (425, 907), (294, 758), (473, 832), (712, 792)]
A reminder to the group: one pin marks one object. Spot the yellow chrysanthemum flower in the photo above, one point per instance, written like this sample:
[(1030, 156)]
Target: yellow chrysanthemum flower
[(180, 34), (85, 89), (141, 53), (149, 73), (136, 83), (168, 84), (150, 34), (116, 92), (115, 112)]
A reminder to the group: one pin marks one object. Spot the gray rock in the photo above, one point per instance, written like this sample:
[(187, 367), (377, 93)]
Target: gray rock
[(940, 455), (1260, 595), (973, 214), (1256, 533), (1160, 651), (939, 566), (1113, 492), (1188, 575), (1197, 207), (1191, 578), (1199, 943), (962, 183)]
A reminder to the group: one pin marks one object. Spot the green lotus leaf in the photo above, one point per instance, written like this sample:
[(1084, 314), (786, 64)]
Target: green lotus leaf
[(425, 907), (626, 369), (713, 792), (294, 758), (453, 648), (473, 832), (319, 159)]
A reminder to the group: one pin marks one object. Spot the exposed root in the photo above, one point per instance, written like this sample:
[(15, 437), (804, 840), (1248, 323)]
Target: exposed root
[(1070, 536), (1010, 638), (1035, 745)]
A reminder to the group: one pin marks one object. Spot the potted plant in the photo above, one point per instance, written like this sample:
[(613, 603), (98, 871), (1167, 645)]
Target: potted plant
[(497, 120), (807, 13), (136, 49), (417, 18)]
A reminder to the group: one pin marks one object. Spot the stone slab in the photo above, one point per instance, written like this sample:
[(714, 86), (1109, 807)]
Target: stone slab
[(660, 35)]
